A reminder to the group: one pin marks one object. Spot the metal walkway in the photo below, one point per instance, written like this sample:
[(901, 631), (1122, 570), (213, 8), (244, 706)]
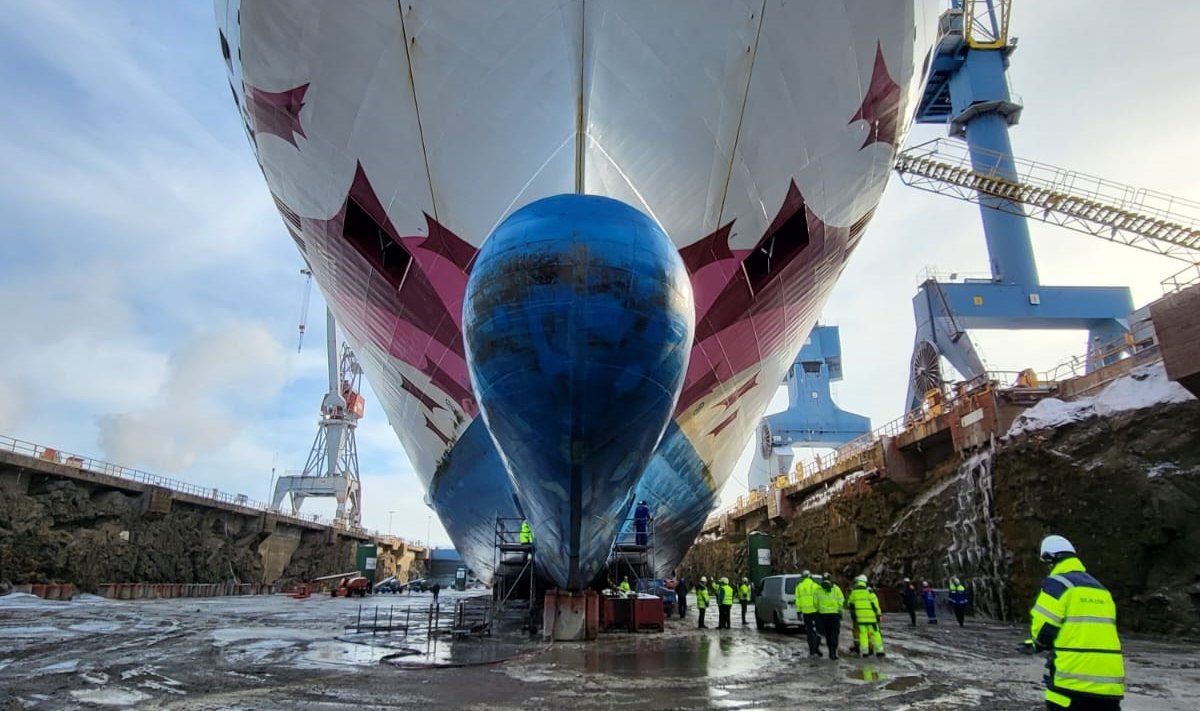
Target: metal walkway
[(1145, 219)]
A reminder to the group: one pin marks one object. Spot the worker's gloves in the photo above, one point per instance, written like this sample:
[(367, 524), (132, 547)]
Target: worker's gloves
[(1029, 647)]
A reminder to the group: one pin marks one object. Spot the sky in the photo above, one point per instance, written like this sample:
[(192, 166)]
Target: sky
[(150, 296)]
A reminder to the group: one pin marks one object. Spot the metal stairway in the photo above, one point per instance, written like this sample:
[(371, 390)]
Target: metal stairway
[(1145, 219)]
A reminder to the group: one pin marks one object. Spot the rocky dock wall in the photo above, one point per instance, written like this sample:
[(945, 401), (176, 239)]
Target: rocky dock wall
[(1125, 489), (66, 527)]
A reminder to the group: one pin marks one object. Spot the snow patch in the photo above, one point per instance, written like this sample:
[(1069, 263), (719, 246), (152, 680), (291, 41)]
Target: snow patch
[(1144, 386), (823, 496), (31, 631), (110, 697), (70, 665), (1163, 469)]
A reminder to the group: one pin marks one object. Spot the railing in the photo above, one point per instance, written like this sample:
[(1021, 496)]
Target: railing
[(1188, 276), (97, 466), (822, 469)]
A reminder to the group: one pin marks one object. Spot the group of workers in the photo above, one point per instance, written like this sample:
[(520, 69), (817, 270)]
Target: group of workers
[(1074, 620), (910, 595), (723, 594), (819, 604)]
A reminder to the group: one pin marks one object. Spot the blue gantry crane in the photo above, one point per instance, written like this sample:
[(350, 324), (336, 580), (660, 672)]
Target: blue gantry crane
[(812, 419), (967, 89)]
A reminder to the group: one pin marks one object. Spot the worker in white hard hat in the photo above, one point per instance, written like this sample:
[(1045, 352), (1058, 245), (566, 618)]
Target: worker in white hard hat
[(829, 612), (702, 599), (865, 613), (958, 600), (1075, 620), (908, 593), (724, 604), (743, 596), (805, 598)]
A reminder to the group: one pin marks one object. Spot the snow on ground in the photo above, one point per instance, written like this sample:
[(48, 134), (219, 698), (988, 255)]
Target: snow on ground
[(272, 652), (1144, 386)]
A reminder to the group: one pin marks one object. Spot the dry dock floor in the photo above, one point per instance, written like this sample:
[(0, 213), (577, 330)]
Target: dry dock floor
[(278, 653)]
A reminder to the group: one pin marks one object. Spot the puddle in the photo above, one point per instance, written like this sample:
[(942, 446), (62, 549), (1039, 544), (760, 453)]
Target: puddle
[(455, 653), (343, 654), (904, 683), (866, 673), (679, 657)]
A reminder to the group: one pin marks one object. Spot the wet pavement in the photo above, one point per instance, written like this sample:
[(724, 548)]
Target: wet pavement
[(279, 653)]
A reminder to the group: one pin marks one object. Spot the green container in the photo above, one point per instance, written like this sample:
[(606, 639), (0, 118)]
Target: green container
[(758, 556), (365, 561)]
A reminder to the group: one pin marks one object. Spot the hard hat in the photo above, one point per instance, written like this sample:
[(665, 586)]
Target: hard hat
[(724, 581), (907, 580), (807, 574), (745, 580), (828, 575), (861, 579), (703, 579), (641, 503), (1055, 547)]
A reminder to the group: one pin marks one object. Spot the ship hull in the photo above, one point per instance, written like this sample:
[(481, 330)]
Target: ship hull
[(395, 138)]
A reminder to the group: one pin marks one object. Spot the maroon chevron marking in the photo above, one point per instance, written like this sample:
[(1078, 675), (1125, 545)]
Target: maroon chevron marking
[(880, 106), (433, 428), (724, 423), (403, 294), (761, 308), (450, 385), (276, 113), (429, 403), (712, 248), (745, 388)]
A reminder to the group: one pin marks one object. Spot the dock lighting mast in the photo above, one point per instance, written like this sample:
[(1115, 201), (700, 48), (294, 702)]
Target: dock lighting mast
[(332, 467), (967, 90)]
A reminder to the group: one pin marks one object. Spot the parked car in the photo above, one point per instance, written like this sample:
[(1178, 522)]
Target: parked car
[(775, 604)]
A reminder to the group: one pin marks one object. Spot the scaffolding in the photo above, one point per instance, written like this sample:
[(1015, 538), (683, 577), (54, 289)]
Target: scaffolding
[(515, 585)]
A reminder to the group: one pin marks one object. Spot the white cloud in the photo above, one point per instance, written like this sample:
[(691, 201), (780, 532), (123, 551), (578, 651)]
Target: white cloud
[(14, 403), (210, 383)]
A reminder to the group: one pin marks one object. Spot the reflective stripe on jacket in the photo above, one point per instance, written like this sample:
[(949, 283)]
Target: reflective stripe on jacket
[(958, 595), (864, 605), (806, 596), (1074, 616), (830, 599), (726, 595)]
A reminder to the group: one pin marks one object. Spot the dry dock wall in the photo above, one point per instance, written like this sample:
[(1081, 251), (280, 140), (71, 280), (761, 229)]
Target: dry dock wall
[(1124, 489), (62, 524)]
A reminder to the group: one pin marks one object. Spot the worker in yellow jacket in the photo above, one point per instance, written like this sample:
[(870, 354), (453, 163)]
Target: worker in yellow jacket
[(1075, 619), (743, 596), (829, 612), (702, 599), (864, 607), (806, 610), (724, 604)]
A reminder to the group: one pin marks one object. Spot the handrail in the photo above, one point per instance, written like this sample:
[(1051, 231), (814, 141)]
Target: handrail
[(58, 456)]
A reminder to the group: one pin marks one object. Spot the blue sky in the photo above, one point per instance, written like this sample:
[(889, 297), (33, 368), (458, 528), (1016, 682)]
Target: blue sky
[(151, 294)]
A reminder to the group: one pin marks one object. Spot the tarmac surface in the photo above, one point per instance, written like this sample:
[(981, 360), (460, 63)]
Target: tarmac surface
[(278, 653)]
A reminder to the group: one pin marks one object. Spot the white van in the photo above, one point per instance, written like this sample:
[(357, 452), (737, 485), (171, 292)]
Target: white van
[(776, 603)]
